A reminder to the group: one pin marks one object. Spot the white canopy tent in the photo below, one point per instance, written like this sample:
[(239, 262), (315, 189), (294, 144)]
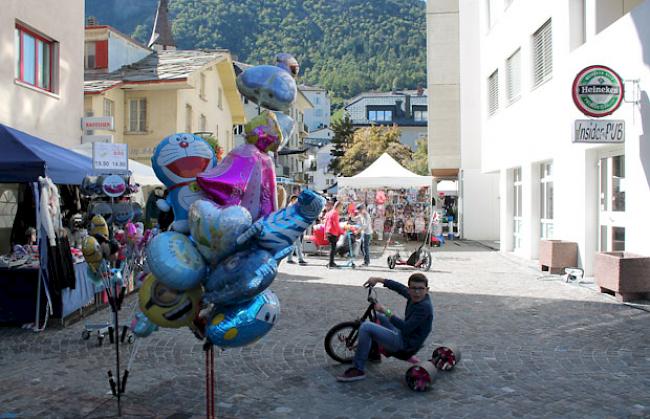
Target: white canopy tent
[(385, 172)]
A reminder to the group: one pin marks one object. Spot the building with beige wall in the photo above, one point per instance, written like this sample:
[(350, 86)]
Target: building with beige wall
[(42, 100), (169, 91), (292, 165)]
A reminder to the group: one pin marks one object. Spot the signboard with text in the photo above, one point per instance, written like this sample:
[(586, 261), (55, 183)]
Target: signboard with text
[(599, 131), (90, 123), (110, 158), (597, 91)]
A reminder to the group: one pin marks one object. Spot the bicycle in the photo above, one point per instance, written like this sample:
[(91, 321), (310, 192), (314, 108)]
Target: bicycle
[(342, 339)]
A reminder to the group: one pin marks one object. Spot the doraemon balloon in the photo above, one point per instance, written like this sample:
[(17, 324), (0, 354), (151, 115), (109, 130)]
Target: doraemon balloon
[(270, 86), (176, 161), (174, 260), (283, 227), (242, 276), (244, 324), (215, 229)]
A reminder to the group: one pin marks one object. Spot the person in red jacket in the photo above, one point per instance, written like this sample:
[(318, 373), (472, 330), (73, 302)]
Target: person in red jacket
[(333, 230)]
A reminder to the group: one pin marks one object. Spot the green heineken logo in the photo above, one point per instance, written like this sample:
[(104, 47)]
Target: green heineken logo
[(597, 91)]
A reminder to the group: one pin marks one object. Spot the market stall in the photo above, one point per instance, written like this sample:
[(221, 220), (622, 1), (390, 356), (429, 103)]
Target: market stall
[(38, 271), (398, 200)]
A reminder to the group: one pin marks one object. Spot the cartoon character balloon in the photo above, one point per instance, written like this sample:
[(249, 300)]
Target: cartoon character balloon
[(174, 260), (246, 176), (244, 324), (280, 229), (242, 276), (271, 86), (176, 161), (166, 306)]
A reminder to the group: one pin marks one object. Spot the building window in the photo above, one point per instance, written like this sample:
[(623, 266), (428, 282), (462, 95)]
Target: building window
[(380, 115), (420, 113), (493, 92), (542, 54), (188, 118), (202, 87), (89, 56), (517, 208), (513, 77), (546, 200), (36, 58), (138, 115), (220, 99), (238, 129), (109, 107), (202, 123)]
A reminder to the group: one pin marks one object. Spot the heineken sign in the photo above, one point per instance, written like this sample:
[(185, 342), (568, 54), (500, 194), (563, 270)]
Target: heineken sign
[(597, 91)]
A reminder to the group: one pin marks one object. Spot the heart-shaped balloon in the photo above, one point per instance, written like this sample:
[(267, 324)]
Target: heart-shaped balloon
[(215, 228)]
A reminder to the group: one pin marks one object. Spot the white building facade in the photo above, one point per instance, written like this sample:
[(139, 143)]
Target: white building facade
[(530, 52), (319, 116)]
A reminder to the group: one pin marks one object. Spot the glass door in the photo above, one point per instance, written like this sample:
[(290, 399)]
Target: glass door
[(611, 234)]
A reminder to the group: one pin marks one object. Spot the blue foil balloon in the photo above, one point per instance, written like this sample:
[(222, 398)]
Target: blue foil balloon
[(244, 324), (282, 228), (174, 261), (242, 276), (269, 86), (287, 125), (215, 228), (142, 326)]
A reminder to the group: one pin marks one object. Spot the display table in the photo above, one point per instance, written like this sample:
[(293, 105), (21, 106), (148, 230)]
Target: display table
[(18, 295)]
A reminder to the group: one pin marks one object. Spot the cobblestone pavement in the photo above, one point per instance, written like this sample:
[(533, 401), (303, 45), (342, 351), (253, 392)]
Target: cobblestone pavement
[(532, 346)]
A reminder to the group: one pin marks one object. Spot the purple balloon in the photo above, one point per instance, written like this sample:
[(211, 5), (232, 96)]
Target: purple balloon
[(245, 177)]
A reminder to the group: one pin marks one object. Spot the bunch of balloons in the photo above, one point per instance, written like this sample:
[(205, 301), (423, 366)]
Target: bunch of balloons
[(213, 269)]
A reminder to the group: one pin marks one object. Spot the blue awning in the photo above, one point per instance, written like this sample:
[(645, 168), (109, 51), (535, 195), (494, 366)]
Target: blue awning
[(23, 158)]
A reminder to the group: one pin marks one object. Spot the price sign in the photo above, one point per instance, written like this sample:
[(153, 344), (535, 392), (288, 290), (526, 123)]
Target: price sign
[(111, 158)]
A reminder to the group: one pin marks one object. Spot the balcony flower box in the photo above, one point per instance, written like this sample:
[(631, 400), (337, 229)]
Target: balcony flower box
[(555, 255), (623, 274)]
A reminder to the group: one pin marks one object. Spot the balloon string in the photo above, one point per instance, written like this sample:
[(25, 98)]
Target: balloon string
[(212, 380)]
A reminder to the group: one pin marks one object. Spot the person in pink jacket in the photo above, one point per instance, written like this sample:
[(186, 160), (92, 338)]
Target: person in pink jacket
[(332, 231)]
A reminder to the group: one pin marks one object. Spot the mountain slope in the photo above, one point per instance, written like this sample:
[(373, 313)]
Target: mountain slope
[(346, 46)]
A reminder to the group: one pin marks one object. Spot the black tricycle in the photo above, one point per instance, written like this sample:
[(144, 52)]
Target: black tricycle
[(341, 343)]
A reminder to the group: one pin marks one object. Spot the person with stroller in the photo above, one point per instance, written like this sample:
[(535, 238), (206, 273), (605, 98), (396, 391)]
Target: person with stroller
[(364, 221), (405, 335), (332, 231), (297, 245)]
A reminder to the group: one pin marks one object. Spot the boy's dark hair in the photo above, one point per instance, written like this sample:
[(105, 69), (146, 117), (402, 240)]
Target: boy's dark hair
[(293, 198), (418, 277)]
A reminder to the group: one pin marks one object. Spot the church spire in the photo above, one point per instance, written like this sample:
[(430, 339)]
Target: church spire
[(161, 35)]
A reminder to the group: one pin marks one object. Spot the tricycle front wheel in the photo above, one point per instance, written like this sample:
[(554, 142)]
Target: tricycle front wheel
[(341, 341)]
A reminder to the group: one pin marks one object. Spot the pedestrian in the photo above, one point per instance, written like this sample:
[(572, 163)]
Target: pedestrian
[(332, 231), (394, 334), (365, 222), (297, 245)]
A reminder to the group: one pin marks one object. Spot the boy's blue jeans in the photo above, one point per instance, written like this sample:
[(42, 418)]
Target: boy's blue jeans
[(385, 334)]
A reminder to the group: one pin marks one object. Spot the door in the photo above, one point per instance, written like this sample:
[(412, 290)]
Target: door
[(611, 234)]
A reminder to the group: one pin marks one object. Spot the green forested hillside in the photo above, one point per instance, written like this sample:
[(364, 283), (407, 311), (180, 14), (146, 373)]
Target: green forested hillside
[(346, 46)]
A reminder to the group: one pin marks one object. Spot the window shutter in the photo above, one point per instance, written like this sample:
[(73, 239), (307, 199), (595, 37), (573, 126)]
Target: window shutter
[(493, 92), (542, 54), (513, 76), (101, 54)]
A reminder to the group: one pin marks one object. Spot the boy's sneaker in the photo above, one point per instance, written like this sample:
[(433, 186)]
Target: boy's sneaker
[(290, 261), (302, 262), (351, 374)]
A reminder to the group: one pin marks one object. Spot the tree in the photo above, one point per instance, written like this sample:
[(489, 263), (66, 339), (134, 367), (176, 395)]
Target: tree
[(369, 144), (420, 162), (343, 132)]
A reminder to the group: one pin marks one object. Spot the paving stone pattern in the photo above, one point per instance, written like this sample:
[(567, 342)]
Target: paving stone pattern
[(531, 345)]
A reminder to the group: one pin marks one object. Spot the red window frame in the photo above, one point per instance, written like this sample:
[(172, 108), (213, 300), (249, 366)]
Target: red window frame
[(23, 30)]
